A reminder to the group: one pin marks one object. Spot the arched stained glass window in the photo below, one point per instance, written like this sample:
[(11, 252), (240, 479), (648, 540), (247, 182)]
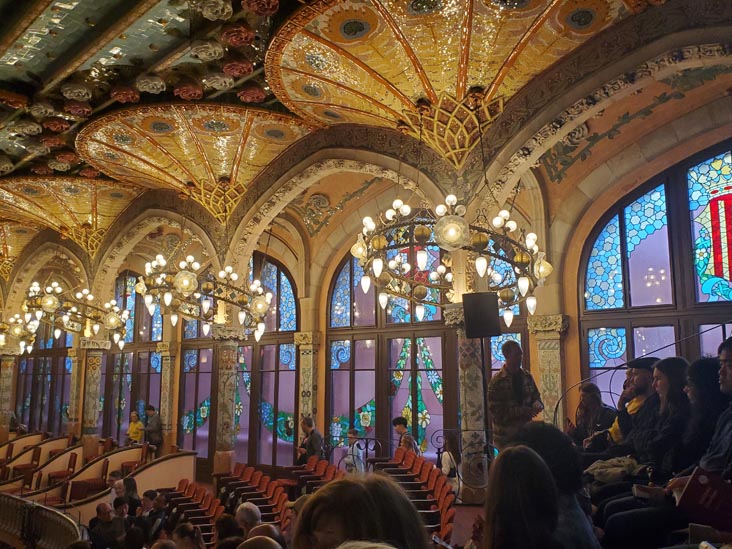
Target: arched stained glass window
[(657, 270), (126, 297)]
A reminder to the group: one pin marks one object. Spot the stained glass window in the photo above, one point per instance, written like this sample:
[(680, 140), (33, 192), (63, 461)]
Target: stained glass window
[(340, 302), (195, 400), (126, 298), (288, 309), (243, 402), (710, 207), (496, 343), (608, 350), (604, 278), (277, 404)]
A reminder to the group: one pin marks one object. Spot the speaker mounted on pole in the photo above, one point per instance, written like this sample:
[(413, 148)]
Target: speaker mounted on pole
[(481, 315)]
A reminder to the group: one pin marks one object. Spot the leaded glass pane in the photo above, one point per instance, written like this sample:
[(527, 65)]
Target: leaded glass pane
[(400, 381), (340, 301), (190, 329), (288, 310), (243, 402), (269, 282), (364, 304), (604, 277), (646, 241), (340, 354), (156, 330), (711, 335), (658, 341), (710, 207), (608, 351), (496, 345), (430, 393)]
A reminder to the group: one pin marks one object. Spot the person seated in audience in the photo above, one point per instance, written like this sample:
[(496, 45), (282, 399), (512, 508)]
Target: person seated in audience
[(359, 508), (592, 416), (109, 530), (118, 489), (632, 523), (269, 531), (227, 527), (136, 430), (81, 544), (121, 510), (163, 544), (450, 462), (146, 503), (151, 514), (521, 502), (574, 528), (133, 498), (295, 507), (248, 516), (354, 456), (408, 443), (134, 539), (230, 543), (187, 536), (260, 542)]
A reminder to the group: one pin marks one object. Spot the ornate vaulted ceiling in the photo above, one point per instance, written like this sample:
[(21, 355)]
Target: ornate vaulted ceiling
[(103, 100)]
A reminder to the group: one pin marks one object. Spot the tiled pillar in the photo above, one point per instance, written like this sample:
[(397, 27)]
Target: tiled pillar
[(7, 370), (307, 346), (73, 425), (227, 347), (549, 330), (94, 349), (167, 402), (472, 408)]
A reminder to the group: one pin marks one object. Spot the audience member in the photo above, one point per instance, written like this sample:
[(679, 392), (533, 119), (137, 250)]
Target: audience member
[(268, 530), (121, 510), (260, 542), (521, 502), (81, 544), (248, 516), (118, 491), (227, 527), (574, 528), (356, 508), (230, 543), (187, 536), (164, 544), (312, 444), (592, 416), (133, 498), (400, 428), (109, 530), (354, 456), (295, 507), (513, 398), (450, 461), (134, 539)]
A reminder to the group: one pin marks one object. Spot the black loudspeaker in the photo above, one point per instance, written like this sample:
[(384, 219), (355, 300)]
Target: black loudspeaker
[(481, 315)]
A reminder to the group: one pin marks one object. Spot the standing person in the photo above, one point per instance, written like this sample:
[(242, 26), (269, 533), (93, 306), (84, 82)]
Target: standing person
[(513, 398), (135, 430), (450, 462), (592, 415), (354, 456), (312, 444), (400, 428), (154, 429)]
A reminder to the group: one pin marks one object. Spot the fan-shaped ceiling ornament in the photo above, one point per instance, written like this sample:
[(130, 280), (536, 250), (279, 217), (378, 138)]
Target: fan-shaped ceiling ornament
[(14, 237), (210, 153), (78, 208), (371, 61)]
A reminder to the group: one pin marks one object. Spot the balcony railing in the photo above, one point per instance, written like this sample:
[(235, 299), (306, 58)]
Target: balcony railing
[(25, 523)]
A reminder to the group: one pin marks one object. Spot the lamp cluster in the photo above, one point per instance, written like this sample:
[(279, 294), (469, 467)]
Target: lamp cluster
[(65, 312), (395, 253), (506, 258), (183, 292)]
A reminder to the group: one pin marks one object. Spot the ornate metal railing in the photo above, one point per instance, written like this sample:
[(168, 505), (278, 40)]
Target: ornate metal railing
[(35, 526)]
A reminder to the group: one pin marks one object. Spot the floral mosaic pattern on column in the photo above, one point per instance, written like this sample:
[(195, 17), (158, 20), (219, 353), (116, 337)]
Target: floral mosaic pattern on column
[(225, 420), (307, 347), (74, 408), (7, 365), (548, 330), (167, 365), (92, 392)]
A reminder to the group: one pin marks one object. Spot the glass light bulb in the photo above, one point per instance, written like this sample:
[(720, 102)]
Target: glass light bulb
[(422, 257), (151, 309), (397, 204), (206, 305), (378, 266), (390, 214), (148, 300), (531, 240), (167, 298), (511, 225), (419, 312), (95, 328), (257, 335), (383, 299), (57, 333), (405, 209), (206, 328), (365, 283), (451, 200), (481, 265), (173, 319), (531, 304), (523, 285), (505, 214), (508, 317), (121, 344), (441, 210), (498, 222), (496, 277)]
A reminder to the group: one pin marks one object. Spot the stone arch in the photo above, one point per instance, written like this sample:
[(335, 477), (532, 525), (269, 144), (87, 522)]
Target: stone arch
[(305, 174), (129, 235)]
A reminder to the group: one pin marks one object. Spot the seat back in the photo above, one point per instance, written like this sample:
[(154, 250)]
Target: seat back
[(217, 513), (238, 469), (206, 501), (399, 454), (321, 467), (417, 465), (276, 493), (105, 469), (329, 472), (432, 479), (246, 475), (439, 484), (190, 490), (311, 463), (72, 462), (182, 485), (256, 477), (213, 504), (36, 457), (39, 476), (9, 453), (199, 494)]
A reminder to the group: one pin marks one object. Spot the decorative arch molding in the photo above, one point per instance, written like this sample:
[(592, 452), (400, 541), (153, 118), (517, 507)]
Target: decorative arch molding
[(633, 42), (130, 235), (35, 258), (290, 246), (261, 215)]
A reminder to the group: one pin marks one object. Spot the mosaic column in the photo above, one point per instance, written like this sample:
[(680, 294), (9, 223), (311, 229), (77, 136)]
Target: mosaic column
[(167, 377), (7, 370), (227, 349), (73, 425), (307, 345), (472, 408), (549, 330), (94, 349)]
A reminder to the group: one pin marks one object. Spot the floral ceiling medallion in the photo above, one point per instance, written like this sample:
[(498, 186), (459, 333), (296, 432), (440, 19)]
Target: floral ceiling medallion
[(209, 153)]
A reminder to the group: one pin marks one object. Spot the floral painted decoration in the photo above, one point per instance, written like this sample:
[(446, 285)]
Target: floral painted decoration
[(207, 50), (75, 91), (88, 171), (53, 141), (42, 109), (125, 94), (37, 148), (214, 10), (41, 169), (251, 93), (150, 83), (56, 124), (237, 34), (6, 165), (237, 66), (26, 127), (78, 108), (67, 156), (218, 81), (59, 166), (13, 100), (188, 90), (263, 8)]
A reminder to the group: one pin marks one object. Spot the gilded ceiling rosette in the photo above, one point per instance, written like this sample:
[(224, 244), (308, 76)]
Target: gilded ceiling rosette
[(78, 208), (209, 153), (371, 61)]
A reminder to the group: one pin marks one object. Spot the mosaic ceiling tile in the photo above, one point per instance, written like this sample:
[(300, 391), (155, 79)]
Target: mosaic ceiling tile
[(14, 237), (210, 153), (370, 61), (78, 208)]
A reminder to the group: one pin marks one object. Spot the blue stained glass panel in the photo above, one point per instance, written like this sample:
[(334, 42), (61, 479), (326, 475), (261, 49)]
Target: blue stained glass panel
[(340, 301), (156, 362), (190, 329), (156, 331), (710, 209), (69, 339), (340, 354), (190, 360), (496, 344), (288, 309), (287, 356), (68, 363), (604, 276), (397, 310), (608, 347), (269, 283)]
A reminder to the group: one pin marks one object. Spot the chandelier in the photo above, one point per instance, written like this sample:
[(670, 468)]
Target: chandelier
[(406, 254), (184, 292), (63, 311)]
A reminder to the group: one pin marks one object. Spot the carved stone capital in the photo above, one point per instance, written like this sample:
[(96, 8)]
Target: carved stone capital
[(71, 353), (454, 316), (162, 347), (10, 351), (95, 344), (221, 332), (548, 323), (307, 338)]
